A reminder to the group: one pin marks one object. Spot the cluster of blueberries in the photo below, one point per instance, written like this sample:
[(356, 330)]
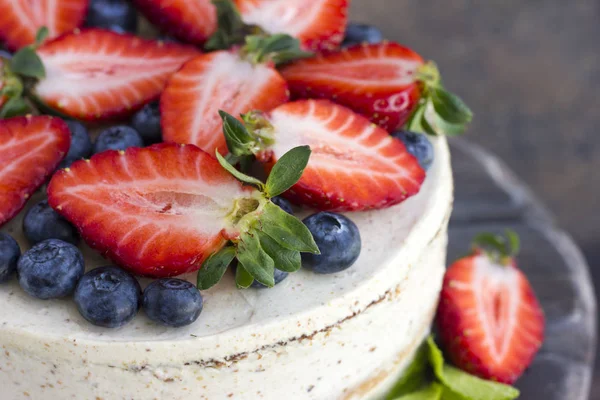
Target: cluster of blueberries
[(111, 297)]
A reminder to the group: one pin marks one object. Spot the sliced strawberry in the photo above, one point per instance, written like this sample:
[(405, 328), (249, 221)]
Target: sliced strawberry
[(30, 150), (164, 210), (21, 19), (489, 319), (355, 165), (212, 82), (96, 74), (190, 21), (159, 211), (319, 24), (377, 80)]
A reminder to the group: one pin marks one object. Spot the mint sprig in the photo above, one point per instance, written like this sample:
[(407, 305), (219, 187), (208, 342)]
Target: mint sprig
[(429, 377), (268, 237), (438, 112), (499, 248)]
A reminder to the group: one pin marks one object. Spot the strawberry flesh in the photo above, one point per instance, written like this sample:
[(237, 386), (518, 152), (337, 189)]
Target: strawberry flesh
[(376, 80), (354, 165), (212, 82), (319, 24), (97, 74), (21, 19), (189, 21), (30, 150), (157, 211), (489, 319)]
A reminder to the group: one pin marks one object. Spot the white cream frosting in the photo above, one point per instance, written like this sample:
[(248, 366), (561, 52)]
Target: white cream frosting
[(345, 335)]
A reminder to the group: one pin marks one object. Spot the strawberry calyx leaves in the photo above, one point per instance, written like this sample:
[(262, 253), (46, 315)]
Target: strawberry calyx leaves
[(266, 236), (439, 112), (248, 138), (26, 62), (278, 49), (501, 249), (231, 29)]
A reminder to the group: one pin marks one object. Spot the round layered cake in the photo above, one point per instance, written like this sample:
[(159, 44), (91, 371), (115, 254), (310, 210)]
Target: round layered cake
[(342, 336)]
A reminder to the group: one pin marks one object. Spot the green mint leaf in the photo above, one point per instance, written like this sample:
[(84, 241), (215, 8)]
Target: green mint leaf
[(494, 243), (41, 35), (436, 358), (287, 171), (13, 107), (284, 259), (239, 141), (438, 125), (27, 63), (243, 279), (469, 387), (237, 174), (449, 106), (287, 230), (278, 48), (414, 376), (418, 123), (433, 391), (255, 260), (214, 267), (514, 242)]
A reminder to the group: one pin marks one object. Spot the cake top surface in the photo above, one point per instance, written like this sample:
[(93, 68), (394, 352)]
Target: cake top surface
[(396, 233)]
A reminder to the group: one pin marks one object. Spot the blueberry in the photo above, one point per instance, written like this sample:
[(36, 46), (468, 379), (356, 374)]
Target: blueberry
[(279, 276), (117, 15), (9, 255), (117, 138), (108, 296), (172, 302), (81, 144), (283, 204), (338, 239), (418, 145), (147, 123), (5, 54), (50, 269), (41, 222), (361, 33)]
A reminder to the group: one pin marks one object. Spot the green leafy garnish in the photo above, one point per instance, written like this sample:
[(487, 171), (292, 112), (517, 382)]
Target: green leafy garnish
[(429, 377), (255, 260), (27, 63), (214, 267), (286, 260), (41, 35), (243, 279), (438, 112), (288, 231), (278, 49), (287, 171), (499, 248), (240, 176)]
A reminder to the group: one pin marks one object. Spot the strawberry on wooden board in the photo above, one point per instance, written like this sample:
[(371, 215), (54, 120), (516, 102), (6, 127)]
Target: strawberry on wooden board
[(490, 322), (166, 209), (30, 150), (97, 74), (388, 83), (355, 165), (189, 21), (318, 24), (20, 20), (235, 81)]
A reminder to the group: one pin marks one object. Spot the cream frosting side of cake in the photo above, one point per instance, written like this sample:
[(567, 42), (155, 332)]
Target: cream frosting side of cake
[(282, 342)]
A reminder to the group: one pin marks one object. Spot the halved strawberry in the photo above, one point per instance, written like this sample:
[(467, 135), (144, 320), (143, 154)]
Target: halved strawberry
[(163, 210), (318, 24), (489, 319), (30, 150), (236, 81), (385, 82), (21, 19), (355, 165), (97, 74), (190, 21)]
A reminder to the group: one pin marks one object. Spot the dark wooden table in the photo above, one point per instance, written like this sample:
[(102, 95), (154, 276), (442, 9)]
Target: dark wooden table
[(489, 197)]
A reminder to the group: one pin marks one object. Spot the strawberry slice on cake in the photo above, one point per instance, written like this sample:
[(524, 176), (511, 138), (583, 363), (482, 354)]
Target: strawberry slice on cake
[(20, 20), (30, 150), (166, 209), (490, 321), (355, 165), (236, 81), (388, 83)]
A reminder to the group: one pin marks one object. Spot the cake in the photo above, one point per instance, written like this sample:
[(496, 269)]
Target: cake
[(205, 241), (346, 336)]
